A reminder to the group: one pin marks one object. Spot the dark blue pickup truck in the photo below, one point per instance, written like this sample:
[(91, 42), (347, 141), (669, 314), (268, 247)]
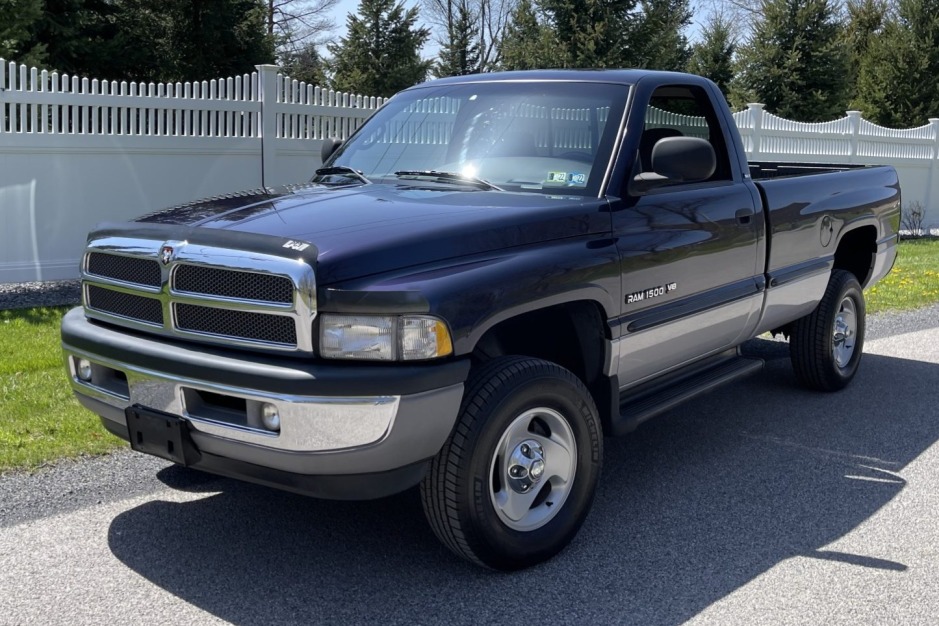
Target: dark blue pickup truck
[(492, 274)]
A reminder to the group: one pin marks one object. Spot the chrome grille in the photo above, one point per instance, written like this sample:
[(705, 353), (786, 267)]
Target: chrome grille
[(226, 283), (125, 268), (237, 324), (213, 295), (140, 308)]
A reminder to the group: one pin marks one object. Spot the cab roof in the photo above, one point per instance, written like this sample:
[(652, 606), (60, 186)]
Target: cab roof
[(617, 76)]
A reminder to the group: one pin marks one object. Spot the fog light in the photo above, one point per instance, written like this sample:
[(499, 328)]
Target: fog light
[(83, 369), (270, 417)]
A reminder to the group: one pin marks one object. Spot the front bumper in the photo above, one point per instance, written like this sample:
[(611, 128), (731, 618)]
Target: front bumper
[(349, 430)]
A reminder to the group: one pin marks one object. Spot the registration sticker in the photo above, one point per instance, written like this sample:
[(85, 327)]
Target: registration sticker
[(568, 179)]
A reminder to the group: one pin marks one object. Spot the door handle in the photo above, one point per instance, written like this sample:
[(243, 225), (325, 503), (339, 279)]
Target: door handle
[(743, 215)]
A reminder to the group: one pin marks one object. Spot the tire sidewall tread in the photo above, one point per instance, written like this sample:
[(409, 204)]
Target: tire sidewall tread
[(810, 342), (455, 492)]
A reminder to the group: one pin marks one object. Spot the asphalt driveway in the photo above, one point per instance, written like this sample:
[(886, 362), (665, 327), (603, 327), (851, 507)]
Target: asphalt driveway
[(758, 503)]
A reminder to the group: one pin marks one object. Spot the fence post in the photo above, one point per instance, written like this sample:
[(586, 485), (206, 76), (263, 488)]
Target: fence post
[(854, 121), (930, 182), (3, 87), (756, 114), (267, 92)]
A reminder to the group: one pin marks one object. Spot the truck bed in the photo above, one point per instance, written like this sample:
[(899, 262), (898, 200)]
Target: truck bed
[(800, 197), (760, 170)]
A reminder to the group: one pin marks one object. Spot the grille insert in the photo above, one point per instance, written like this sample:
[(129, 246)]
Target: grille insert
[(125, 268), (263, 302), (227, 283), (138, 308), (236, 324)]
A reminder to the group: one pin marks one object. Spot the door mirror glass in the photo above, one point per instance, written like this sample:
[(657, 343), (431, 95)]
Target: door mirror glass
[(678, 160)]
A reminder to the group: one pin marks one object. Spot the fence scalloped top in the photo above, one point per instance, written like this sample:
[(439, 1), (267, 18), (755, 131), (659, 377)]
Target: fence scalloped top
[(756, 115), (243, 87)]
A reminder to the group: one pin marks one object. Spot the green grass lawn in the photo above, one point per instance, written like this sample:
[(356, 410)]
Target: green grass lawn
[(40, 420), (914, 281)]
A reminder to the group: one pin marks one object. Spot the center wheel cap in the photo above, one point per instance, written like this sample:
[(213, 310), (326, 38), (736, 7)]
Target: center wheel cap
[(526, 466)]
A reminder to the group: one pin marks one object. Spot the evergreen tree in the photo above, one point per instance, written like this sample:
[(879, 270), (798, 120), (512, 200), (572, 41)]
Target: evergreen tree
[(148, 40), (796, 61), (380, 54), (597, 34), (218, 37), (656, 40), (73, 32), (63, 35), (305, 64), (18, 18), (865, 22), (142, 46), (590, 33), (713, 56), (459, 54), (528, 43), (897, 84)]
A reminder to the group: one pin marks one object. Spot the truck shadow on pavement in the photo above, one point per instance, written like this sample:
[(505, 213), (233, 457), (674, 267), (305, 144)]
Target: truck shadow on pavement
[(691, 507)]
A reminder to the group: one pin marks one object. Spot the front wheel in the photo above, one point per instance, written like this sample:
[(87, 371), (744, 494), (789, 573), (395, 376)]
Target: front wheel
[(825, 346), (513, 483)]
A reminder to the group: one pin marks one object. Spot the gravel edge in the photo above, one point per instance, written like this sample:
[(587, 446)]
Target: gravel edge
[(50, 293)]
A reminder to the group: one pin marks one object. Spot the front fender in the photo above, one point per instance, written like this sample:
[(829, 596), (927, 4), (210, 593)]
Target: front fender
[(475, 294)]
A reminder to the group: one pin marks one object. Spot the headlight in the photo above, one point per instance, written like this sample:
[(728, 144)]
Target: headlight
[(422, 338), (383, 337)]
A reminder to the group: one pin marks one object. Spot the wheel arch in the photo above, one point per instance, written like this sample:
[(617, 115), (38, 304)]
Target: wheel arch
[(856, 252), (574, 335)]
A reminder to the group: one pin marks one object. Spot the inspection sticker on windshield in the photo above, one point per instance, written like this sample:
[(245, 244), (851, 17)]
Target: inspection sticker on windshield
[(570, 179)]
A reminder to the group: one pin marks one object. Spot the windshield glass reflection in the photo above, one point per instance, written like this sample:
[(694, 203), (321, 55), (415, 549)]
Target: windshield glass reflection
[(545, 137)]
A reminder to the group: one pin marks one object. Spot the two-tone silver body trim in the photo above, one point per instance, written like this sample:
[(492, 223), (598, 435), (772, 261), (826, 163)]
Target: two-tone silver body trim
[(308, 423), (301, 310)]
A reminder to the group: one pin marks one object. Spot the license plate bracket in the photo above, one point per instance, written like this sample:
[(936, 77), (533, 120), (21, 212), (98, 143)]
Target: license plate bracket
[(160, 434)]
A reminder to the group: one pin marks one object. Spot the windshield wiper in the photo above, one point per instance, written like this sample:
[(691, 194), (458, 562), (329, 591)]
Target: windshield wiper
[(342, 170), (448, 177)]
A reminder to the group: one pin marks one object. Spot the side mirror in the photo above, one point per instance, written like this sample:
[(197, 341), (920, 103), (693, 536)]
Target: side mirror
[(330, 145), (678, 160)]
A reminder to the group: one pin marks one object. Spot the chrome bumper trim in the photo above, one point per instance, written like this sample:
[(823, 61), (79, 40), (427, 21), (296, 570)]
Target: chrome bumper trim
[(308, 423)]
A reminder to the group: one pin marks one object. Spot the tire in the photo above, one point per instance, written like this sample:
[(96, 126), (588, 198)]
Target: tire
[(514, 481), (826, 346)]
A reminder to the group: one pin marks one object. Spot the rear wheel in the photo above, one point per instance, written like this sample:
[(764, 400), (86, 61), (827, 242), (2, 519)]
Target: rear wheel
[(826, 346), (515, 480)]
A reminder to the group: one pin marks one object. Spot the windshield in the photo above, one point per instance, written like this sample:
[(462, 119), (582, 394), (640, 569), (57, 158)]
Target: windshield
[(546, 137)]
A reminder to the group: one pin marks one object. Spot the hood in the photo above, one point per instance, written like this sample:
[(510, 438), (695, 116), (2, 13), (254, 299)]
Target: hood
[(369, 229)]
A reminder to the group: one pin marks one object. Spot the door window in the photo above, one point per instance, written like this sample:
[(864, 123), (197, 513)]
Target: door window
[(682, 111)]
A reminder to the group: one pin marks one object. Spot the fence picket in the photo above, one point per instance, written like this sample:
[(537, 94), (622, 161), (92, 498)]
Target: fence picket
[(207, 109), (251, 128)]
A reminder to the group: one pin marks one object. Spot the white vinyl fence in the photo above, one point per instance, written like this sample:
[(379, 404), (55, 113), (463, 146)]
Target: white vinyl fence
[(914, 152), (75, 152)]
